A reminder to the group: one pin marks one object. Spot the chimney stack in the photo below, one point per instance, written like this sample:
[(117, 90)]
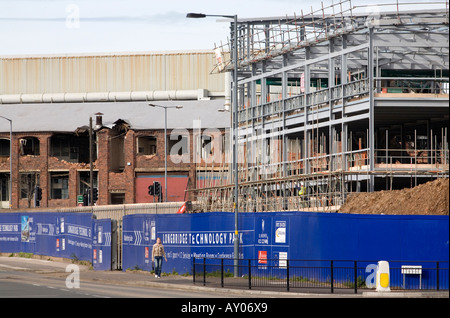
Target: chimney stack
[(98, 121)]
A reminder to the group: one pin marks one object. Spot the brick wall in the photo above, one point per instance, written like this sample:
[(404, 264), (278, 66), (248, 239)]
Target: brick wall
[(111, 181)]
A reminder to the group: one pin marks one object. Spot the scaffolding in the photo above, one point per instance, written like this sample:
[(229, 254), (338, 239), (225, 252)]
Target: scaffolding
[(342, 99)]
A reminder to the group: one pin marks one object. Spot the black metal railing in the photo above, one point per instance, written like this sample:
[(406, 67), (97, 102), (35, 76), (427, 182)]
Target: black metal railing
[(328, 276)]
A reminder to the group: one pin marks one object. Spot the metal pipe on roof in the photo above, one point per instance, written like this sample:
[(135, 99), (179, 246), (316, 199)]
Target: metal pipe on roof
[(199, 94)]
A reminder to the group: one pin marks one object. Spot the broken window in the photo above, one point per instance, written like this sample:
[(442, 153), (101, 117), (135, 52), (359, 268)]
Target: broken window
[(84, 184), (59, 185), (117, 153), (4, 190), (60, 146), (71, 148), (117, 198), (212, 145), (119, 132), (29, 146), (4, 147), (146, 145), (28, 183)]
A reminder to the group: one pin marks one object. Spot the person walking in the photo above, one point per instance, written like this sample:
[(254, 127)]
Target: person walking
[(157, 257)]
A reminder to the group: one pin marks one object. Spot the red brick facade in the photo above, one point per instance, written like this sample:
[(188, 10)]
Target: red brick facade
[(116, 182)]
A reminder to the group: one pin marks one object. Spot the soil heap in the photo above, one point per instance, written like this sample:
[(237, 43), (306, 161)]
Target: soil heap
[(431, 198)]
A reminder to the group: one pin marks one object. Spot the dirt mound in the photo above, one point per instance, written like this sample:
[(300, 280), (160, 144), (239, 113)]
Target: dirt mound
[(431, 198)]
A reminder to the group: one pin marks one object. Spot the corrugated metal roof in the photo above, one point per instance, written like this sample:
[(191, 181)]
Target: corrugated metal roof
[(83, 73), (70, 116)]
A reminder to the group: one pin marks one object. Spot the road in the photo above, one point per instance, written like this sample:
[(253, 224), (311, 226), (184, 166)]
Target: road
[(13, 285), (33, 278), (30, 278)]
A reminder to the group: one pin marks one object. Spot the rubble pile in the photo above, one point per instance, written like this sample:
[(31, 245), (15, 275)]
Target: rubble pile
[(431, 198)]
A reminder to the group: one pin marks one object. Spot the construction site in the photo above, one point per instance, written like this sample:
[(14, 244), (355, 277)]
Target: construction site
[(335, 101), (339, 109)]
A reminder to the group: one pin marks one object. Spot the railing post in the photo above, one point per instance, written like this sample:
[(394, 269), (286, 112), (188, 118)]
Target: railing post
[(437, 275), (193, 271), (204, 271), (356, 277), (221, 272), (332, 278), (249, 274), (287, 275)]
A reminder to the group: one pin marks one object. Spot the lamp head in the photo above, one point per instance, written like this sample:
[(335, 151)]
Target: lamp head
[(195, 15)]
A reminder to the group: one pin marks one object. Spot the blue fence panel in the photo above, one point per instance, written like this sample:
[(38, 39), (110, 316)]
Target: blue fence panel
[(10, 233), (184, 237), (136, 242), (101, 245), (272, 238), (67, 235), (45, 228)]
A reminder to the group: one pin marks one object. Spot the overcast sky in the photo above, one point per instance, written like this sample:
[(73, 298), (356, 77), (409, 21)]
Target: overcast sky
[(105, 26)]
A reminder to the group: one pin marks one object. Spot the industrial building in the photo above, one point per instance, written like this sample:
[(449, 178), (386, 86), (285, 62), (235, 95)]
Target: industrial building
[(331, 101), (47, 104), (335, 100)]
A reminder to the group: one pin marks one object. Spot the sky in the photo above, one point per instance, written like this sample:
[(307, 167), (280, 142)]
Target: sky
[(33, 27)]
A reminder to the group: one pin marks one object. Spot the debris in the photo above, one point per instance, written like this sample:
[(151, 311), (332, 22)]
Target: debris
[(431, 198)]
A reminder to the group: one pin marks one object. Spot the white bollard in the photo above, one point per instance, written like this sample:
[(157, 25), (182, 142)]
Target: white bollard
[(383, 277)]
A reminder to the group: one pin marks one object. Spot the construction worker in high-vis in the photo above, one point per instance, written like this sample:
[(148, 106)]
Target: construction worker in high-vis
[(301, 191)]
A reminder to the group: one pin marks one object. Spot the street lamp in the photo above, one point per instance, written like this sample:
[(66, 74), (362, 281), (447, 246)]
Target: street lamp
[(10, 160), (98, 126), (234, 36), (165, 143)]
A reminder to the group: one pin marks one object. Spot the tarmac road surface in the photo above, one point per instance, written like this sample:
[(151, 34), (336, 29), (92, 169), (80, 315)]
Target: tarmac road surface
[(30, 278)]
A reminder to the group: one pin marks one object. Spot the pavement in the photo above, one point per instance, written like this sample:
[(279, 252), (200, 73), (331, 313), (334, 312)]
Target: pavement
[(141, 278), (236, 286)]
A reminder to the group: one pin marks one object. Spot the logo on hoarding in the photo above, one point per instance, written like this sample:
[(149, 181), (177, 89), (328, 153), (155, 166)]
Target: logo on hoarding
[(280, 232), (200, 238), (263, 238), (262, 257)]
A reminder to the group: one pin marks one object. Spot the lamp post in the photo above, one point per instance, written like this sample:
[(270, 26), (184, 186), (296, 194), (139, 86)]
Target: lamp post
[(165, 143), (91, 168), (235, 115), (10, 160)]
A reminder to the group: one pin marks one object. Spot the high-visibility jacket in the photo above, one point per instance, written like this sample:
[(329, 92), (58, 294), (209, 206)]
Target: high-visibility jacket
[(301, 191)]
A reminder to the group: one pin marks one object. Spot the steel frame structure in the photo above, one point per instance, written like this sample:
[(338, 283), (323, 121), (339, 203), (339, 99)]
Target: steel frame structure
[(323, 97)]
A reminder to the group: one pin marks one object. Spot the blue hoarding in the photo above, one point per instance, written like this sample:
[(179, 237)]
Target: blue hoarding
[(101, 245), (10, 233), (268, 238), (184, 236), (67, 235), (281, 236)]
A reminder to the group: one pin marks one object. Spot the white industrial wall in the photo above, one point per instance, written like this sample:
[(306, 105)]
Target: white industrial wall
[(159, 71)]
